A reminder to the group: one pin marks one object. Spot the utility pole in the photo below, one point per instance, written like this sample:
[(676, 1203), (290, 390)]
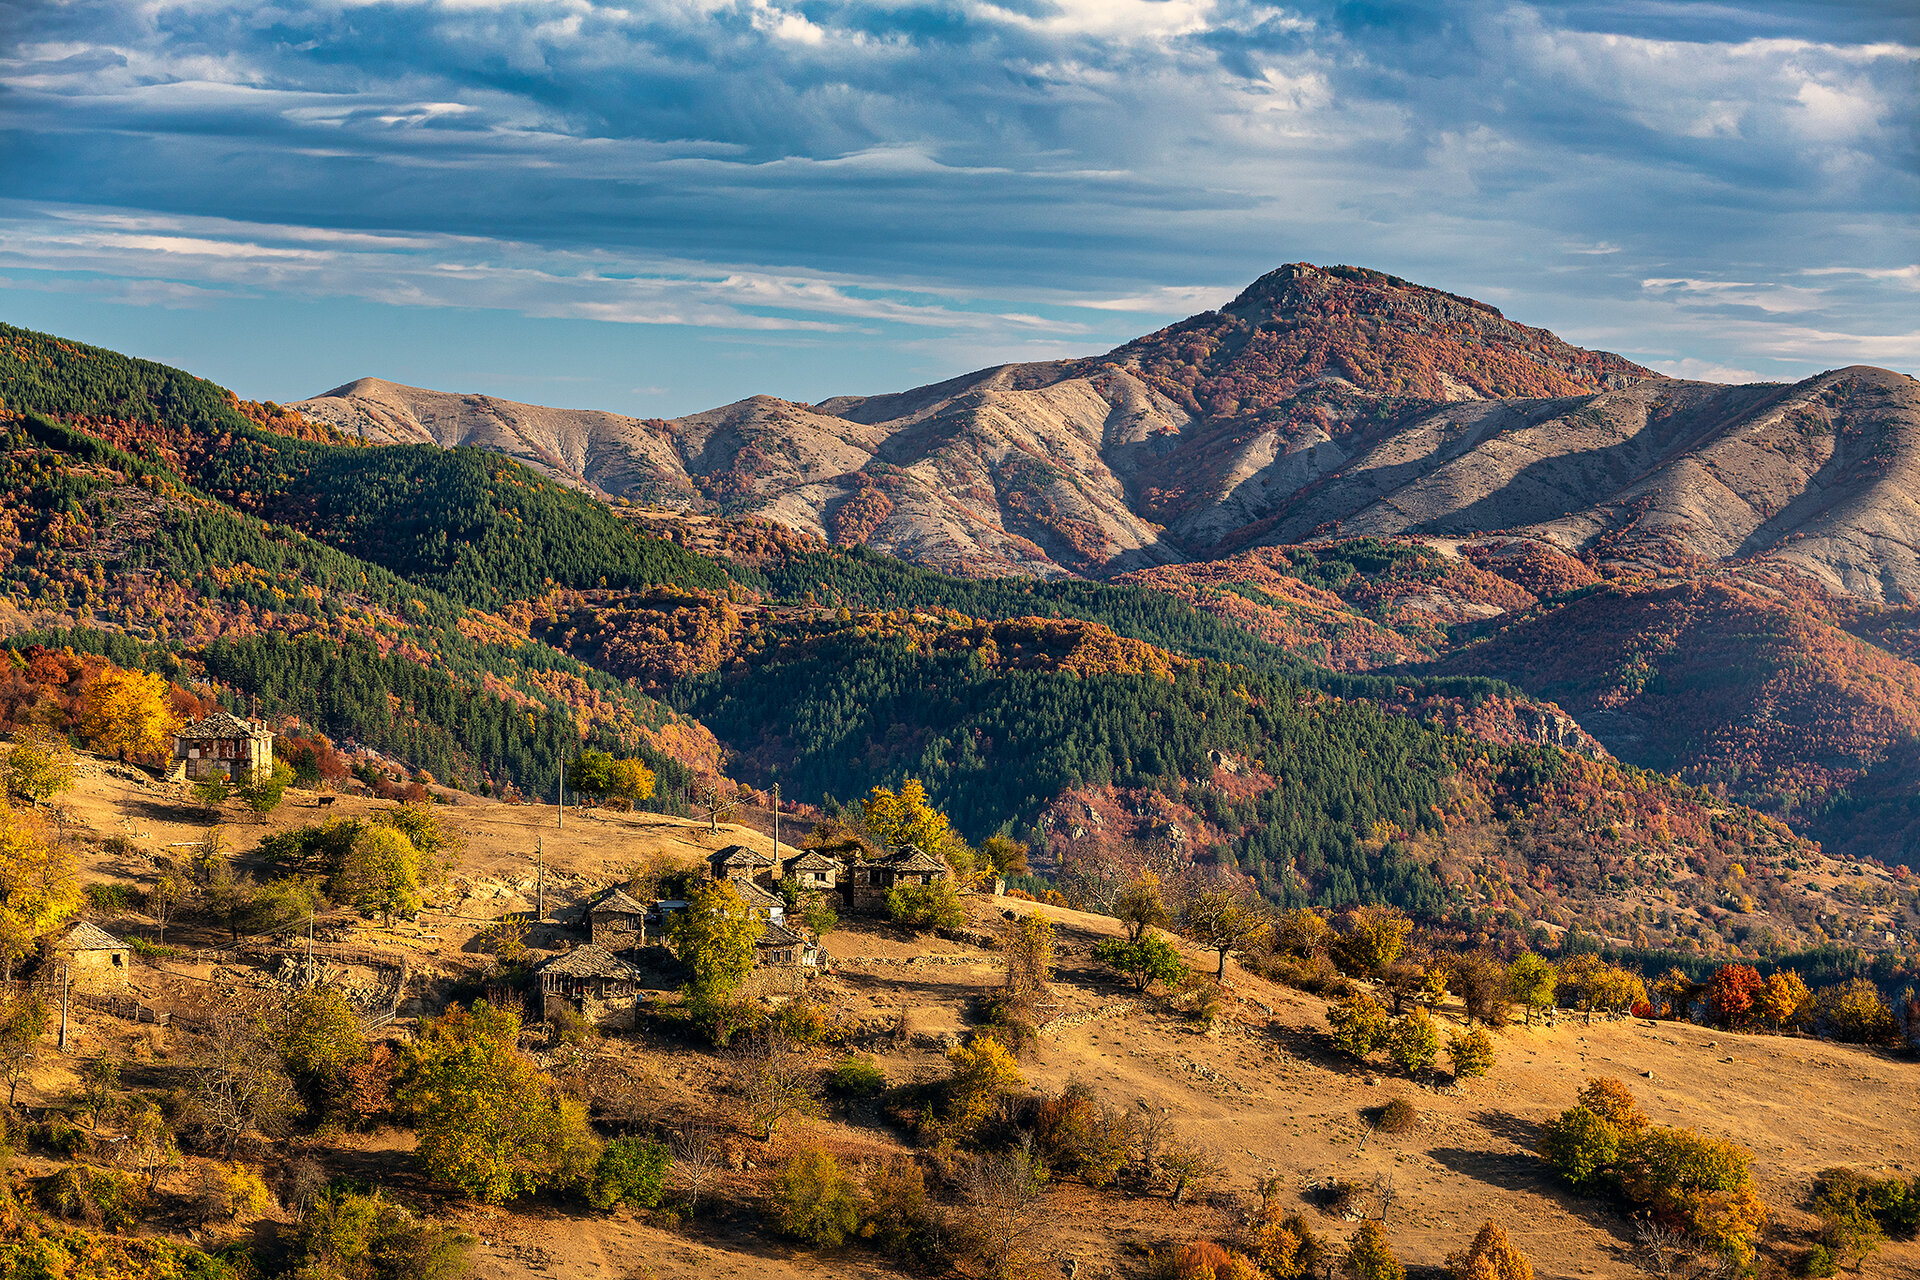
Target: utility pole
[(540, 881), (776, 824), (65, 971), (560, 810)]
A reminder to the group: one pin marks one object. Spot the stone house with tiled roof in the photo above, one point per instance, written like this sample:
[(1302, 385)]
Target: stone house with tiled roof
[(94, 959), (222, 743)]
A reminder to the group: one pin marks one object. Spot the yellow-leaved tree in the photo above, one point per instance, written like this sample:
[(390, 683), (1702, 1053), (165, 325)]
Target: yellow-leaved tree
[(38, 887), (906, 818), (128, 714)]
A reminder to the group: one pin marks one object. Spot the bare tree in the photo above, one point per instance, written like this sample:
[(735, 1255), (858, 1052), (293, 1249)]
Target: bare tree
[(1674, 1255), (240, 1087), (714, 805), (776, 1079), (163, 902), (697, 1157), (1224, 921), (1189, 1166), (1002, 1193), (1150, 1129)]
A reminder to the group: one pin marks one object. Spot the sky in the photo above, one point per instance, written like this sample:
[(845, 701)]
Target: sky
[(656, 208)]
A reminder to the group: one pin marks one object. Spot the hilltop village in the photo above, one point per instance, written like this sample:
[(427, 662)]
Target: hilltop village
[(270, 1029)]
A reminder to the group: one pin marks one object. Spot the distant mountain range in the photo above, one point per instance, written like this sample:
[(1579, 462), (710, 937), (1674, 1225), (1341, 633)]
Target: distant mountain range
[(1714, 580), (1319, 403)]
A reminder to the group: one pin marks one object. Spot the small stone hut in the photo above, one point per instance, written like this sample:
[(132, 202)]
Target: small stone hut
[(223, 743), (95, 960), (813, 870), (616, 921), (589, 971), (764, 901), (867, 882), (737, 862), (781, 947)]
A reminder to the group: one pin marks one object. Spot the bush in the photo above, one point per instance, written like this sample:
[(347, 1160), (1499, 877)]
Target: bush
[(1284, 1244), (1705, 1184), (1891, 1203), (1205, 1260), (630, 1171), (1491, 1256), (1370, 1258), (570, 1026), (1583, 1148), (858, 1077), (1397, 1116), (1152, 959), (1414, 1043), (110, 897), (368, 1237), (815, 1200), (925, 906), (1471, 1053), (98, 1197), (1076, 1136), (899, 1218), (1359, 1025)]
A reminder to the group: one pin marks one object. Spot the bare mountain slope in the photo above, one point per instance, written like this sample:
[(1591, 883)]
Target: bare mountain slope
[(1321, 402)]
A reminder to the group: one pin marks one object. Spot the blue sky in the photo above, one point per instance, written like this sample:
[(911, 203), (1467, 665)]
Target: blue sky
[(660, 207)]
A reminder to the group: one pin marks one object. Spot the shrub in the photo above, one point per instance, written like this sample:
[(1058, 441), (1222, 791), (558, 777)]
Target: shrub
[(1893, 1203), (1205, 1260), (1491, 1256), (1284, 1245), (1470, 1052), (1397, 1116), (1359, 1025), (983, 1072), (1077, 1136), (1370, 1258), (110, 897), (898, 1217), (1607, 1098), (1151, 959), (1705, 1184), (98, 1197), (1414, 1043), (370, 1237), (1583, 1148), (570, 1026), (801, 1021), (858, 1077), (925, 906), (815, 1200), (630, 1171)]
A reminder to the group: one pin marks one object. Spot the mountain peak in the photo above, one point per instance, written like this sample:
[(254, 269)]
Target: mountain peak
[(1363, 331)]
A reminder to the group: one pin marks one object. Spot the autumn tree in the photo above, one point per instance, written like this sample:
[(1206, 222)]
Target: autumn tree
[(1224, 922), (1786, 1000), (1369, 1257), (1139, 907), (241, 1090), (814, 1198), (1000, 1194), (1027, 944), (1532, 983), (1491, 1256), (490, 1122), (1471, 1052), (39, 889), (128, 714), (381, 875), (1413, 1043), (263, 789), (776, 1079), (982, 1074), (1733, 991), (715, 937), (39, 766), (1004, 856), (607, 777), (23, 1020), (1371, 938), (902, 819), (631, 1172), (1142, 961), (926, 906), (1483, 986), (320, 1040), (1359, 1025)]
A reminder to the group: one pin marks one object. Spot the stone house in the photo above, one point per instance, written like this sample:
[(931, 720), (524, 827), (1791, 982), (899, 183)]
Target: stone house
[(616, 921), (813, 870), (588, 972), (769, 905), (94, 959), (781, 947), (222, 743), (867, 882), (739, 863)]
